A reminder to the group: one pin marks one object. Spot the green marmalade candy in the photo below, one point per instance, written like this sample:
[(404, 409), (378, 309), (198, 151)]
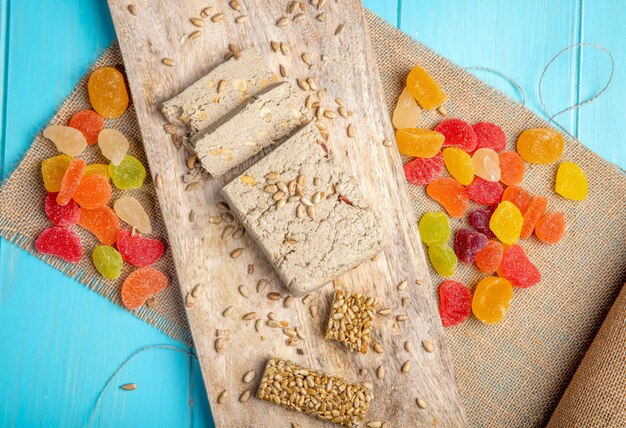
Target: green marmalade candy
[(129, 174), (108, 261), (434, 228), (443, 259)]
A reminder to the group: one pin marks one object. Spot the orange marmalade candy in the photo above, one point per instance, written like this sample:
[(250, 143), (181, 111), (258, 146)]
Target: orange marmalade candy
[(419, 143), (52, 170), (102, 222), (424, 88), (89, 123), (450, 194), (71, 180), (512, 168), (506, 222), (407, 113), (107, 92), (492, 299), (517, 195), (571, 182), (93, 191), (488, 259), (140, 285), (534, 212), (550, 228), (540, 145)]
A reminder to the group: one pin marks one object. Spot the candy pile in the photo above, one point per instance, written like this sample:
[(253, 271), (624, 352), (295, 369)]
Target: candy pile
[(79, 194), (481, 172)]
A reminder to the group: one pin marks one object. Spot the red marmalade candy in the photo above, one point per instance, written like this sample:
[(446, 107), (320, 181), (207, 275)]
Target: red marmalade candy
[(138, 250), (518, 269), (422, 171), (89, 123), (455, 303), (479, 220), (489, 135), (484, 192), (61, 215), (61, 242), (467, 243), (457, 133)]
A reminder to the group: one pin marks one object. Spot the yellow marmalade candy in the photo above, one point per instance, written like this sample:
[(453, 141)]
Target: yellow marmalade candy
[(540, 145), (97, 168), (424, 88), (506, 222), (459, 165), (419, 143), (571, 182), (492, 299), (53, 170)]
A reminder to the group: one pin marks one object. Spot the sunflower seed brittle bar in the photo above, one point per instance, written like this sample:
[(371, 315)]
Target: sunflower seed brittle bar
[(351, 320)]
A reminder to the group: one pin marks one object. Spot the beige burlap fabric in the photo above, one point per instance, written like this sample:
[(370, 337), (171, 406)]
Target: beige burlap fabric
[(509, 375)]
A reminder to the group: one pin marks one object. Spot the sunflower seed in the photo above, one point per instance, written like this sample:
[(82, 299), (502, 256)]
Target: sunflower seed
[(342, 111), (302, 84), (310, 212), (168, 61), (374, 424), (217, 17), (321, 17), (298, 17), (428, 346), (378, 347), (129, 386), (258, 324), (288, 303), (313, 310), (205, 12), (239, 233), (272, 175), (380, 372), (350, 131), (292, 7), (221, 85), (196, 290), (249, 316), (236, 253), (249, 376), (222, 397), (408, 346), (261, 285), (240, 19), (227, 217), (227, 231), (219, 345), (283, 71), (402, 318), (195, 35), (274, 295), (234, 4), (312, 83), (421, 403), (244, 291), (275, 46), (300, 211), (158, 181), (306, 59), (192, 186), (402, 285), (215, 219), (406, 366), (282, 22), (339, 30), (132, 9), (442, 110), (176, 140), (197, 22), (307, 299), (385, 311), (227, 311)]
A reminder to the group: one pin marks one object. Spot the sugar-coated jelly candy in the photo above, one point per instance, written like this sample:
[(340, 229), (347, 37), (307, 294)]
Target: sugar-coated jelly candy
[(489, 135), (102, 222), (532, 215), (66, 139), (512, 168), (520, 197), (492, 299), (518, 269), (97, 168), (506, 222), (129, 174), (457, 133), (71, 181), (89, 123), (113, 145), (107, 92), (407, 113), (486, 164), (61, 242), (52, 170), (550, 228), (455, 303), (419, 143), (130, 211), (138, 250), (424, 88), (93, 191), (108, 261), (434, 228), (489, 258), (484, 192), (467, 243), (422, 171), (61, 215), (540, 145), (140, 285), (443, 259), (571, 182), (479, 220), (459, 164), (450, 194)]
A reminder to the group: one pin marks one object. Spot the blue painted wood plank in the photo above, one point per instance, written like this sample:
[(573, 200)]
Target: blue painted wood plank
[(386, 9)]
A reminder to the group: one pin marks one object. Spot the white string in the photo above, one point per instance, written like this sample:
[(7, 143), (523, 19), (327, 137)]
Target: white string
[(505, 77)]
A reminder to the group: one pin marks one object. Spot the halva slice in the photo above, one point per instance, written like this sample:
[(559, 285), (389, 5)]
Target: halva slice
[(263, 119), (219, 92), (351, 320), (306, 214)]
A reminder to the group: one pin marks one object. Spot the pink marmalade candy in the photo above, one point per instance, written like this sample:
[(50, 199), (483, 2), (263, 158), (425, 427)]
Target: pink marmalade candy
[(61, 242), (422, 171), (489, 135), (138, 250), (457, 133), (484, 192), (455, 303), (518, 269), (61, 215)]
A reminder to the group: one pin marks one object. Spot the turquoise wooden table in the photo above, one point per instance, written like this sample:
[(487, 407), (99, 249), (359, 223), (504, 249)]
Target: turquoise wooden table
[(61, 342)]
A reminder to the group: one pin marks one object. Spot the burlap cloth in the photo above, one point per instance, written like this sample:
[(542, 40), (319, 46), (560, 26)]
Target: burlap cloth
[(510, 375)]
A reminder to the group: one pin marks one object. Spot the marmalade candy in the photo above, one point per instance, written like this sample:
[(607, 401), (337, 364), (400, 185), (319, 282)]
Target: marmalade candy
[(422, 171), (61, 215), (486, 164), (518, 269), (571, 182), (489, 258), (61, 242), (450, 194), (489, 135), (107, 92), (407, 113), (71, 181), (67, 140), (532, 215), (130, 211), (434, 228), (517, 195), (540, 145), (467, 243), (102, 222), (107, 261), (52, 170), (97, 168), (506, 222), (457, 133), (459, 164), (424, 88), (113, 145), (140, 285), (455, 303), (484, 192), (443, 259), (138, 250), (129, 174), (93, 192), (550, 228), (89, 123), (492, 299), (419, 143), (479, 220), (512, 168)]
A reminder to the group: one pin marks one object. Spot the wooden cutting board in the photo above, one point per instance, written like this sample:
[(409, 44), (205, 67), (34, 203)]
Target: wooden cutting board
[(343, 65)]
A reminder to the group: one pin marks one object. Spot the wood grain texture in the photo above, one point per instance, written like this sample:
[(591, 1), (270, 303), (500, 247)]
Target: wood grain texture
[(202, 257)]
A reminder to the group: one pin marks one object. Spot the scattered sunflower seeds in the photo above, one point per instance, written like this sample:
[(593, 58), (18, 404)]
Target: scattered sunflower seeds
[(428, 346), (129, 386)]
